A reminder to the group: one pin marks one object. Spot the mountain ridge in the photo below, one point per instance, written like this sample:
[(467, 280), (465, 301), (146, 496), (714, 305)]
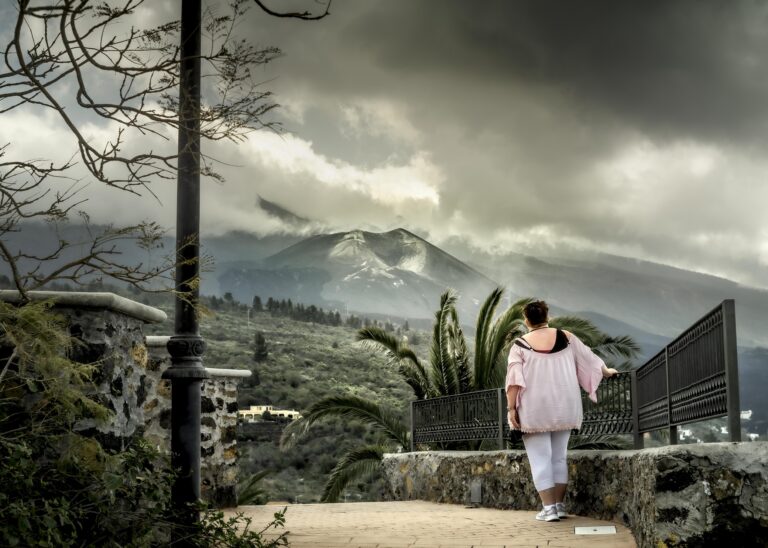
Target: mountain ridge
[(394, 272), (658, 299)]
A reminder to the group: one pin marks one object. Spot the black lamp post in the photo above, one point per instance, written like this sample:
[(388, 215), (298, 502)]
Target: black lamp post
[(186, 347)]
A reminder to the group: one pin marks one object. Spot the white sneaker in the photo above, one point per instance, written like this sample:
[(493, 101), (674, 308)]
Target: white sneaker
[(561, 512), (548, 515)]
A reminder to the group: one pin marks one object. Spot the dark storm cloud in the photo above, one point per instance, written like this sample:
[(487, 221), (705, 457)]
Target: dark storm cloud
[(675, 67), (633, 128)]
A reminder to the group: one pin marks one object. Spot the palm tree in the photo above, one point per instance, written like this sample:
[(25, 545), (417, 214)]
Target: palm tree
[(448, 372), (362, 460)]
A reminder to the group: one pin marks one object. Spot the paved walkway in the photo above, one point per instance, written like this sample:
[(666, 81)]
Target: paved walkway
[(419, 523)]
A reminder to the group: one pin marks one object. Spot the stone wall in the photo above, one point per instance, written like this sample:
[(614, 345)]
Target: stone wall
[(689, 495), (111, 331), (218, 422), (128, 382)]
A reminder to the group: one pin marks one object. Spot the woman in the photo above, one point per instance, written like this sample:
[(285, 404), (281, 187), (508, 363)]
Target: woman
[(545, 369)]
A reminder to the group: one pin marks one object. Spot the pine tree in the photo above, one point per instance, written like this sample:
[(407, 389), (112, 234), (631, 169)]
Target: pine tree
[(257, 306), (260, 350)]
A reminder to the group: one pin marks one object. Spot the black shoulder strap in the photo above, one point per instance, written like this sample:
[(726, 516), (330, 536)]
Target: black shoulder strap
[(523, 343)]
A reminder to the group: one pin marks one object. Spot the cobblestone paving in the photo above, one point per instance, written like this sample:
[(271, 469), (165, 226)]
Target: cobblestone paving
[(419, 523)]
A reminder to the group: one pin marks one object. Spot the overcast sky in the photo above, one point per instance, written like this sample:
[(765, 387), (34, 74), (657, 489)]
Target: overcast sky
[(637, 128)]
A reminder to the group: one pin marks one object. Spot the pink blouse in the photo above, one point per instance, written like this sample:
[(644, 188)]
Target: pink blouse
[(549, 398)]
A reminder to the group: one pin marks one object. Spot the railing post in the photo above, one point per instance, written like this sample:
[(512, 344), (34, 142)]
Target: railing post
[(412, 429), (672, 428), (502, 407), (731, 370), (637, 436)]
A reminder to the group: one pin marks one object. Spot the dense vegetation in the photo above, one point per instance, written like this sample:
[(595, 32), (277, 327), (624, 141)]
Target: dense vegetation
[(451, 368), (305, 363), (60, 488)]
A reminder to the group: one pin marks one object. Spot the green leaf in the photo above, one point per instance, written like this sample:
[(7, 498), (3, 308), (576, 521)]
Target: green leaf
[(352, 465)]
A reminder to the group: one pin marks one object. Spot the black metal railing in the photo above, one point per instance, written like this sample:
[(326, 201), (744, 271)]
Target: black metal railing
[(482, 415), (612, 414), (695, 377), (479, 415)]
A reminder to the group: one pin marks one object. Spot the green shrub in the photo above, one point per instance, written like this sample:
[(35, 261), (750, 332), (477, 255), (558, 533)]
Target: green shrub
[(59, 488)]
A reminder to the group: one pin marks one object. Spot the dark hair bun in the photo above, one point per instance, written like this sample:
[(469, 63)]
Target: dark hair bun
[(536, 312)]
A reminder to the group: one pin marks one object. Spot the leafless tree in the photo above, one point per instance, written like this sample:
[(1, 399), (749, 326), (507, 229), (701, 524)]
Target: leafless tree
[(87, 60)]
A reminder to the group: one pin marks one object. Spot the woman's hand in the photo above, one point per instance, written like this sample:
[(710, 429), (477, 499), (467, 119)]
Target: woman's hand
[(513, 420), (609, 372)]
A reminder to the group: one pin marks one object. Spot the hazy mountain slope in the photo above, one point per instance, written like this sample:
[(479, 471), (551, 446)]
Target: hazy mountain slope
[(655, 298), (225, 249), (394, 273), (401, 274)]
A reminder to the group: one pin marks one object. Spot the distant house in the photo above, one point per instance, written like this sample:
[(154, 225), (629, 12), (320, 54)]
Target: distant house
[(753, 437), (746, 415), (255, 413)]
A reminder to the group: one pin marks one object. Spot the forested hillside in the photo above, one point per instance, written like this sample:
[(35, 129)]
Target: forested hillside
[(305, 362)]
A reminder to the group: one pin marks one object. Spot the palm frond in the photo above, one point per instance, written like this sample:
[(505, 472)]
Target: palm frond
[(360, 461), (293, 432), (601, 344), (483, 354), (581, 327), (493, 339), (444, 376), (623, 346), (461, 355), (349, 408), (602, 442), (516, 310), (249, 491), (508, 324), (416, 379), (399, 355)]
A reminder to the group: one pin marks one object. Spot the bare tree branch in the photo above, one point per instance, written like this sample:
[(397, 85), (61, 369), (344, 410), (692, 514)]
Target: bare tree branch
[(82, 60)]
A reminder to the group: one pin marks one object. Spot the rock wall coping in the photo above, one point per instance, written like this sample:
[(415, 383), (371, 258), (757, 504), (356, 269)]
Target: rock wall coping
[(218, 421), (159, 342), (97, 300), (154, 341), (235, 373), (684, 495)]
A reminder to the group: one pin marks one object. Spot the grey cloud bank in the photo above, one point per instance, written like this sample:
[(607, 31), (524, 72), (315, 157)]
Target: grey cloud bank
[(626, 127), (633, 128)]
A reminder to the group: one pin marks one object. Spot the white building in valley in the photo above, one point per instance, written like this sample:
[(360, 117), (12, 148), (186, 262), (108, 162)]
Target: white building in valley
[(254, 413)]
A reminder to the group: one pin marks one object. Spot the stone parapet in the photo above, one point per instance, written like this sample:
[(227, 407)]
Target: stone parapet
[(218, 422), (127, 381), (110, 331), (685, 495), (90, 300)]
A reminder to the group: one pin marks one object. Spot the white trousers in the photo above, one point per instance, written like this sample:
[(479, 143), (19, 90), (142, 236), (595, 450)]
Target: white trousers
[(546, 454)]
